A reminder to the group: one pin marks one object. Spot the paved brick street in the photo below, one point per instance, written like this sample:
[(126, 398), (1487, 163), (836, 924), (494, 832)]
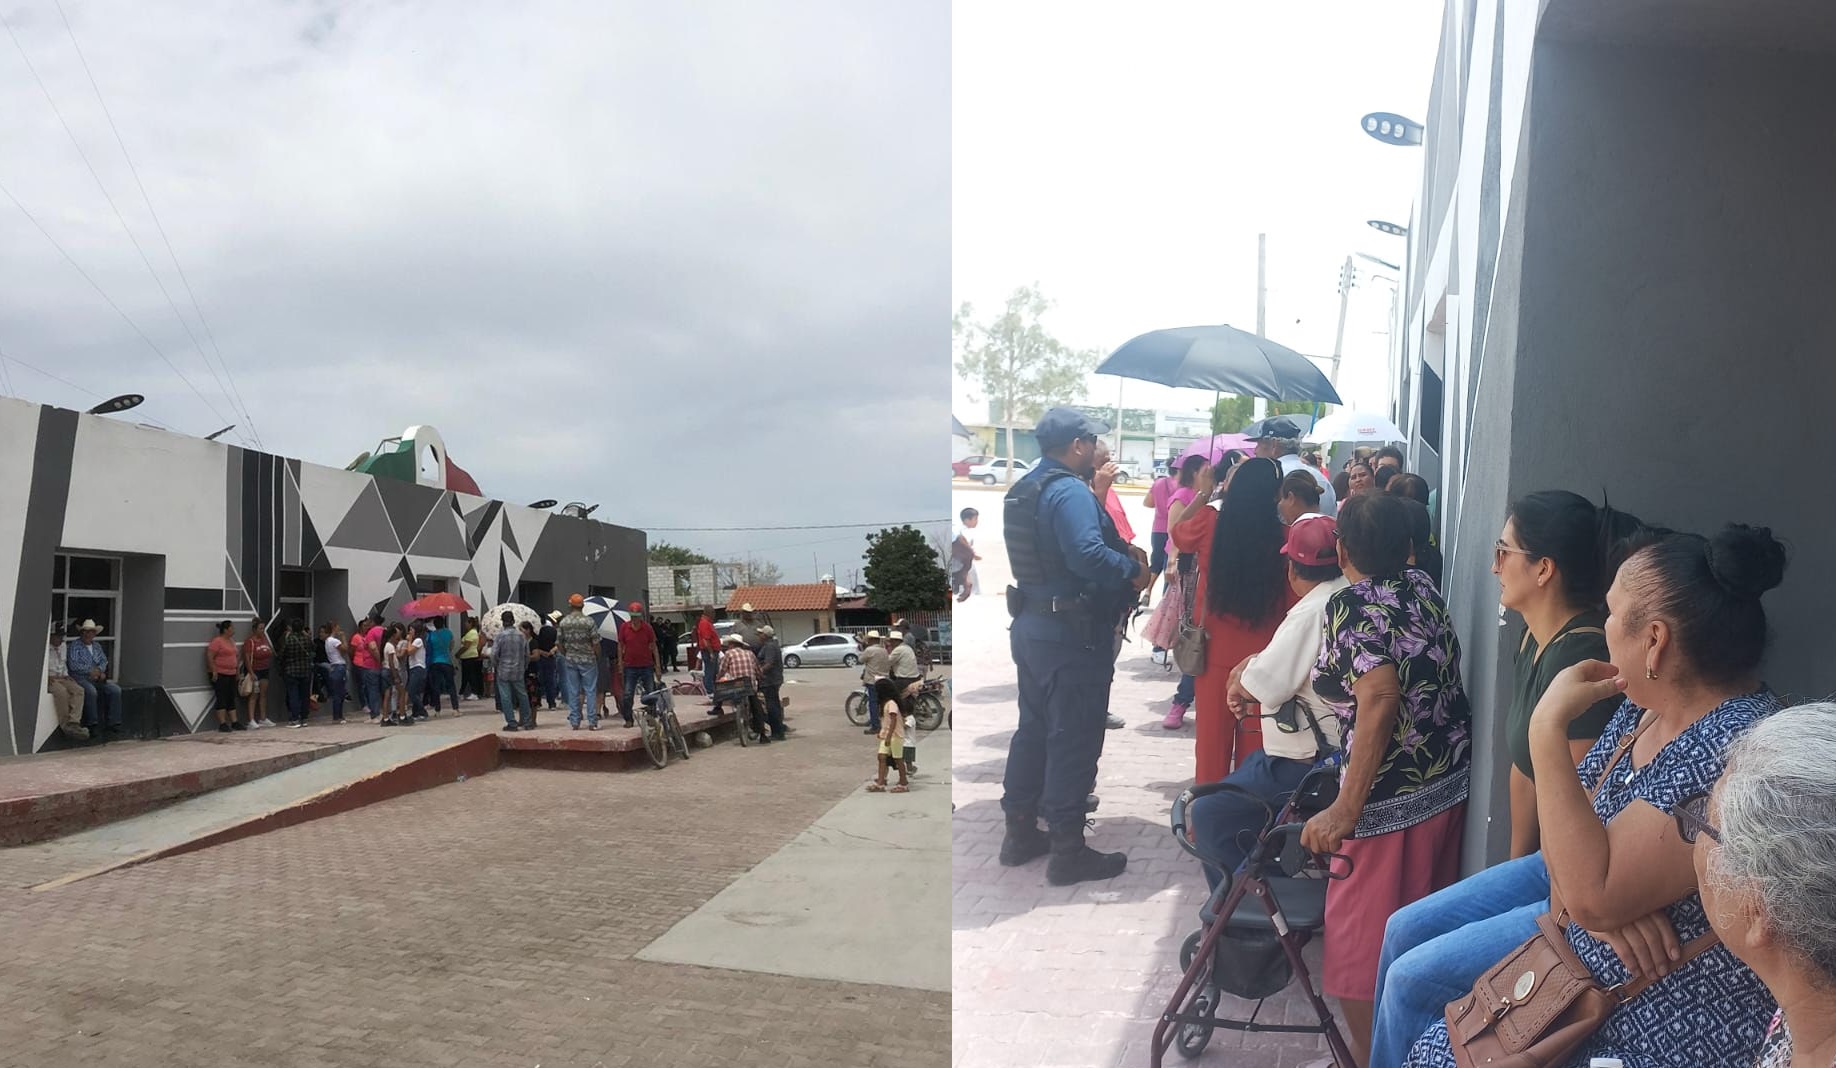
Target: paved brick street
[(491, 922), (1076, 977)]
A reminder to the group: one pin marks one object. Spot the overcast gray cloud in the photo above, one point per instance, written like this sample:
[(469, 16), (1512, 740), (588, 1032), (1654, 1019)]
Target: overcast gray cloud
[(690, 261)]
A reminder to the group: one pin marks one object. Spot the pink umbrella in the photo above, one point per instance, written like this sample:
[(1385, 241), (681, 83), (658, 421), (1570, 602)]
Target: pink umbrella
[(434, 604), (1215, 447)]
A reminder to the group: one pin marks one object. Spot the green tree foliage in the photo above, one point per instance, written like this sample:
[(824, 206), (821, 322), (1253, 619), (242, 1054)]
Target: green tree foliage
[(903, 572), (1018, 365), (1232, 413), (663, 554)]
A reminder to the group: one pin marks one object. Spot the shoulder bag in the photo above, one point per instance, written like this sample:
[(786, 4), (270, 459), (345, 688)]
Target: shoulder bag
[(1189, 645), (1540, 1005)]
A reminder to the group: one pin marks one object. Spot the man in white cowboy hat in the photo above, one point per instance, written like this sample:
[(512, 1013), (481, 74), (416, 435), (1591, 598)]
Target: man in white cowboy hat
[(747, 627), (88, 665), (737, 664), (876, 664), (66, 695), (904, 669)]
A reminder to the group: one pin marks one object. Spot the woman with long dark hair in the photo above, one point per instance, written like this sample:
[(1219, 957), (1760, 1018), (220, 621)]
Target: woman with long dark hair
[(1163, 626), (1243, 592)]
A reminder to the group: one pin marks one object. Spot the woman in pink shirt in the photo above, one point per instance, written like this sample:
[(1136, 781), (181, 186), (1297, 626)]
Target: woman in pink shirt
[(258, 657), (220, 660)]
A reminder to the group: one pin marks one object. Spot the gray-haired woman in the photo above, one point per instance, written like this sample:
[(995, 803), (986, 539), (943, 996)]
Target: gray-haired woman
[(1766, 862)]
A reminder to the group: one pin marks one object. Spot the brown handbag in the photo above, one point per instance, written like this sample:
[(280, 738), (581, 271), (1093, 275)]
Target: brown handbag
[(1539, 1005)]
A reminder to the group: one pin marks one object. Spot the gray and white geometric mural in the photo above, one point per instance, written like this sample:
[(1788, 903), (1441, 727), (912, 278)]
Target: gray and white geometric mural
[(206, 531)]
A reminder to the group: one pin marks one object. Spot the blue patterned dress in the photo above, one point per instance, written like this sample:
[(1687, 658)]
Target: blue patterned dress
[(1711, 1012)]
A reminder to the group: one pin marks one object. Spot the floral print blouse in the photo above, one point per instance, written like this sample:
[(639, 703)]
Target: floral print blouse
[(1401, 621)]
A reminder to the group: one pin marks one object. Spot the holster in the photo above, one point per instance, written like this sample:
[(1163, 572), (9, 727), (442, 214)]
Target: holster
[(1016, 602)]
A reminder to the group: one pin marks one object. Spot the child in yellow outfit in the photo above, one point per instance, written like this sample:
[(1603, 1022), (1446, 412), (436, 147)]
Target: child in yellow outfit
[(892, 737)]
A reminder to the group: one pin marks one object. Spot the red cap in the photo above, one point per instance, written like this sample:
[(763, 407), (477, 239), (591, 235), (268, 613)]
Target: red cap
[(636, 607), (1313, 541)]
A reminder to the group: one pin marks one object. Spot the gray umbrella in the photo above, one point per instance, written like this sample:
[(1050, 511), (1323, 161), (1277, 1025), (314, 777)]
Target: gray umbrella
[(1223, 359)]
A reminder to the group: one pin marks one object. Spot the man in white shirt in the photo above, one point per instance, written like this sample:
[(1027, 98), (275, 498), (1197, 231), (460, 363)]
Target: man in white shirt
[(963, 555), (1277, 684), (66, 694), (1280, 441)]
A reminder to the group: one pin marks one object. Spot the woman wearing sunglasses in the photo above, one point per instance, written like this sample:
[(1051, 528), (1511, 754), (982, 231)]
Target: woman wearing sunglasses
[(1686, 633), (1765, 855)]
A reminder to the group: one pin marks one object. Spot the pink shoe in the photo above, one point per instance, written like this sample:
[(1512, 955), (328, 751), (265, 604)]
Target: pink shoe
[(1176, 717)]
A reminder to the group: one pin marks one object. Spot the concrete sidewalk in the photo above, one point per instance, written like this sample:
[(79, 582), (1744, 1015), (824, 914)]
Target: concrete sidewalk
[(1076, 977), (849, 899)]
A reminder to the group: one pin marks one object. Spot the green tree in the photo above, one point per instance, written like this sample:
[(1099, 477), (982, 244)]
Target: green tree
[(903, 572), (1018, 365), (663, 554), (1230, 414)]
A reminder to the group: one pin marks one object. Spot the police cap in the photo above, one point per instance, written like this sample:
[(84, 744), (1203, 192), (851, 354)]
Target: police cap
[(1059, 427)]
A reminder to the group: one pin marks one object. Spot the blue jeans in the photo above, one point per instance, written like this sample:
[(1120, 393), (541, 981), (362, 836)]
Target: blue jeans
[(513, 697), (109, 696), (580, 680), (1183, 694), (1434, 949), (548, 680), (444, 681), (638, 682), (710, 671), (417, 690), (370, 681), (1226, 825), (334, 688), (873, 708), (299, 697)]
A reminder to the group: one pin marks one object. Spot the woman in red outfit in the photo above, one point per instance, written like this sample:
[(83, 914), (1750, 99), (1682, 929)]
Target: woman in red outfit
[(1244, 593)]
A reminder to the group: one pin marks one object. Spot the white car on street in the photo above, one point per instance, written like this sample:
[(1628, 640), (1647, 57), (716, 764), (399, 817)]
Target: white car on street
[(994, 472), (823, 650)]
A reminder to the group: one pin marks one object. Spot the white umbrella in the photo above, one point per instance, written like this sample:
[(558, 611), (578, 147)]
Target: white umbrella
[(491, 621), (605, 615), (1356, 427)]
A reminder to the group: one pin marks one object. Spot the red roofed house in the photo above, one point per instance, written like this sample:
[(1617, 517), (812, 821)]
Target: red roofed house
[(795, 612)]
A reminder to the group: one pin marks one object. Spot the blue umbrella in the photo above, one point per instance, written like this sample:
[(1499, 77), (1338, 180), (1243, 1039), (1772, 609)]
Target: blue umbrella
[(1222, 359)]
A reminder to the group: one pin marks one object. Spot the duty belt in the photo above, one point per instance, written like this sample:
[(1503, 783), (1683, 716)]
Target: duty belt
[(1056, 606)]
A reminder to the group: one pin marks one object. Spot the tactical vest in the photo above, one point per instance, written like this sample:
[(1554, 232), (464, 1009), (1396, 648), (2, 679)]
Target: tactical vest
[(1026, 550)]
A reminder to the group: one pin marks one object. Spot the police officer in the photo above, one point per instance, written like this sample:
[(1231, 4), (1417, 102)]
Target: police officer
[(1075, 582)]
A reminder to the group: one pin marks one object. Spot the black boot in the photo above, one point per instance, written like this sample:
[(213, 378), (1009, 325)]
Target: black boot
[(1074, 862), (1024, 841)]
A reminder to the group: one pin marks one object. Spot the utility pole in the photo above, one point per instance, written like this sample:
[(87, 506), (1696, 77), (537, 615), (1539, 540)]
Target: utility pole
[(1346, 281), (1116, 453), (1262, 306)]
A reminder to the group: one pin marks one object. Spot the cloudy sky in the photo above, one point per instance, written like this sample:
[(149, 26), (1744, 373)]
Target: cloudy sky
[(1125, 157), (689, 261)]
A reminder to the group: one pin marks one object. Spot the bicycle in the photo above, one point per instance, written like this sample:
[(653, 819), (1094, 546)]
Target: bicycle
[(927, 706), (661, 730), (741, 696), (688, 687)]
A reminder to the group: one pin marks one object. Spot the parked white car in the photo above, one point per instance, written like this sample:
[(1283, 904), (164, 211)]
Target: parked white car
[(994, 472), (823, 650), (687, 641)]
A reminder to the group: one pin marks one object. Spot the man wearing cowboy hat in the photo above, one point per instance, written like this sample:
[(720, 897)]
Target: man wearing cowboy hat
[(876, 664), (747, 628), (637, 652), (737, 664), (88, 665), (66, 695)]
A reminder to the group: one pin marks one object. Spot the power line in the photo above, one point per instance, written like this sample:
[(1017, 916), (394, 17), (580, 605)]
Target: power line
[(84, 156), (5, 359), (817, 526), (235, 400), (110, 301)]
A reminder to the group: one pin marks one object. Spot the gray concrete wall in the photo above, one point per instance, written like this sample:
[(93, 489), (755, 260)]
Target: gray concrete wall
[(1676, 327)]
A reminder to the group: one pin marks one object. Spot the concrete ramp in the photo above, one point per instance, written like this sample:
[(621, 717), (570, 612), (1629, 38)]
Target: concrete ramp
[(851, 899), (388, 767)]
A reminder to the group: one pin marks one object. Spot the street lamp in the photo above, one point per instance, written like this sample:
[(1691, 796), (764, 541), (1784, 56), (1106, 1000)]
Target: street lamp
[(115, 405), (1392, 129), (578, 509), (545, 503), (1387, 227), (214, 435), (1378, 262)]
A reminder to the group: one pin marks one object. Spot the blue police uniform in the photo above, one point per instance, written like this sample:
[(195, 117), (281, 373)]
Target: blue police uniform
[(1064, 646)]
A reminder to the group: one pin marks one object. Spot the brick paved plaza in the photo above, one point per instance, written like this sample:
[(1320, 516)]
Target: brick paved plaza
[(1075, 977), (485, 923)]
